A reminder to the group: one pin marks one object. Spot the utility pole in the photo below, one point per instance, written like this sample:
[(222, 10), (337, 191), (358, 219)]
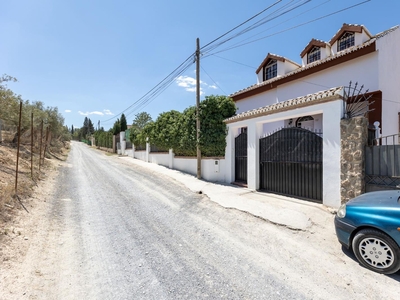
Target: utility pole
[(198, 108)]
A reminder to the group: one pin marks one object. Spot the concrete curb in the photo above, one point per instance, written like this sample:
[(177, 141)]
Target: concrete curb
[(280, 210)]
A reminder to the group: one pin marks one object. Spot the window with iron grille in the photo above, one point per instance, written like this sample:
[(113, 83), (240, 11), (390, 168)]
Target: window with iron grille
[(270, 70), (314, 55), (346, 41)]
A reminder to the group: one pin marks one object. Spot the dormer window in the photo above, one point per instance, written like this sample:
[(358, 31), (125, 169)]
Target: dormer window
[(346, 41), (271, 69), (314, 55)]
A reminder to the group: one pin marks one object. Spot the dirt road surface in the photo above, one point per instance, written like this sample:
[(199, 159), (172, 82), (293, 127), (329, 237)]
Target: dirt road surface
[(101, 228)]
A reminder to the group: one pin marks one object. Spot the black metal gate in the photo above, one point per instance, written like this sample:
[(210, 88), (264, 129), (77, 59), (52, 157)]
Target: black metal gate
[(291, 163), (382, 163), (241, 158)]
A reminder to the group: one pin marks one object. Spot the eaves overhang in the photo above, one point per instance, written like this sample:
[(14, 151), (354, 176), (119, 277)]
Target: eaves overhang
[(309, 69), (348, 28), (332, 94), (311, 44)]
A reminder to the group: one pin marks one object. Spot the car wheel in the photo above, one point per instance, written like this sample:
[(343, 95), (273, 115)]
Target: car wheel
[(376, 251)]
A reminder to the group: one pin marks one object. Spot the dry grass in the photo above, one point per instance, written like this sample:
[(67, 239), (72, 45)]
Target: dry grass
[(11, 199)]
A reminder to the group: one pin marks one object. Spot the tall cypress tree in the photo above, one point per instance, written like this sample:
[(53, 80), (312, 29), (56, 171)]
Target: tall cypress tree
[(123, 123)]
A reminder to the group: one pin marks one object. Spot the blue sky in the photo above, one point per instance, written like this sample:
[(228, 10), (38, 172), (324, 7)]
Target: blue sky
[(98, 58)]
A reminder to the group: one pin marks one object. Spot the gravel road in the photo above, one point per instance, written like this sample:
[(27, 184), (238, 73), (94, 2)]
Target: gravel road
[(136, 234), (113, 230)]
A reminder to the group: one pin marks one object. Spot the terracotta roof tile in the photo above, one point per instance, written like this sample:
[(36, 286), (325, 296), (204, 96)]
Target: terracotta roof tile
[(306, 67), (383, 33), (322, 96)]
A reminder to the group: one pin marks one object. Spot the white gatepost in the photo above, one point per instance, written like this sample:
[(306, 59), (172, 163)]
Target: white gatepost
[(254, 131), (230, 155), (147, 151), (331, 167), (171, 159), (122, 142)]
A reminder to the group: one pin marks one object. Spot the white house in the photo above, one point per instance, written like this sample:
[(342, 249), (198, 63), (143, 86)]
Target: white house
[(314, 96)]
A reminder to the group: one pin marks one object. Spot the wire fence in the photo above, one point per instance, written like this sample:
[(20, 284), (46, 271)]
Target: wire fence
[(30, 144)]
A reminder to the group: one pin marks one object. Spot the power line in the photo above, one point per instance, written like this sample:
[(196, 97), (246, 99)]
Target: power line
[(213, 80), (305, 12), (161, 86), (158, 91), (241, 24), (170, 78), (167, 81), (236, 62), (294, 27), (278, 13)]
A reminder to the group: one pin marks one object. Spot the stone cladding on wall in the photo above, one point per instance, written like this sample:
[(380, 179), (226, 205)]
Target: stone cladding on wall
[(354, 138)]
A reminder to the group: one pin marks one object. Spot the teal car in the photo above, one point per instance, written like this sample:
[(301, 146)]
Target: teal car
[(370, 225)]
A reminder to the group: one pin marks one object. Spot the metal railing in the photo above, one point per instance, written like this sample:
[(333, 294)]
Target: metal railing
[(382, 161)]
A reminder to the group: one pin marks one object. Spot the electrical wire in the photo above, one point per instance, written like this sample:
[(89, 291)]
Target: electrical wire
[(236, 62), (161, 86), (276, 14), (213, 80), (205, 50), (241, 24), (169, 79), (150, 97), (294, 27), (290, 19)]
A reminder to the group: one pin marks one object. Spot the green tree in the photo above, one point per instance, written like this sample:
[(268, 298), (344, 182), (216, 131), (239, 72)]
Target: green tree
[(90, 127), (178, 130), (166, 131), (117, 127), (85, 127), (123, 123), (141, 120), (187, 145), (10, 108), (136, 132), (213, 111)]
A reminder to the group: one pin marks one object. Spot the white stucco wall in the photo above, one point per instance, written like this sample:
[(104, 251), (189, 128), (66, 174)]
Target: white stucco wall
[(140, 155), (329, 114), (257, 101), (289, 67), (362, 70), (159, 159), (389, 80), (268, 128), (211, 169)]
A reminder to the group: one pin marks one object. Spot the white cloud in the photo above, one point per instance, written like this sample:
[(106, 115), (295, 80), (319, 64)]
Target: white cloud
[(91, 113), (186, 82), (189, 84), (67, 110), (99, 113), (191, 89), (107, 112)]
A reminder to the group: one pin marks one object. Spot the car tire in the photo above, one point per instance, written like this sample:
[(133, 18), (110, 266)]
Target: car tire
[(376, 251)]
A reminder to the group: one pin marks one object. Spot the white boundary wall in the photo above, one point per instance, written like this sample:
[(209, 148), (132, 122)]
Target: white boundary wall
[(212, 169)]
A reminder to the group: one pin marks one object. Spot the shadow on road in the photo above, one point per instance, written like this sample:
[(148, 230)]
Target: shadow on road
[(349, 253)]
